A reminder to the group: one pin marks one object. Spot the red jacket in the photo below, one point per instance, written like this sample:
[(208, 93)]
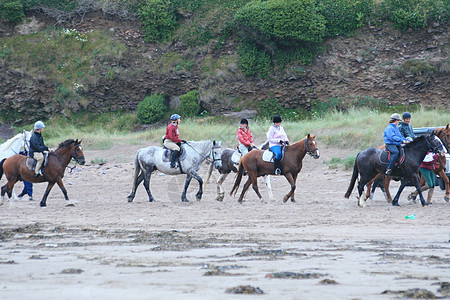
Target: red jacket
[(430, 165), (245, 138), (172, 133)]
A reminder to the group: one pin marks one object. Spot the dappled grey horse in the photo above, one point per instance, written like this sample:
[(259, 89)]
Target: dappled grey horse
[(229, 166), (151, 158)]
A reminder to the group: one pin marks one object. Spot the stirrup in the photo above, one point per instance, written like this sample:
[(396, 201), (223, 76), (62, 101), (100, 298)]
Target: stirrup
[(277, 171)]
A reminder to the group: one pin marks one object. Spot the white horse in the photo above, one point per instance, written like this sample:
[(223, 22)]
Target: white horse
[(13, 146), (152, 158)]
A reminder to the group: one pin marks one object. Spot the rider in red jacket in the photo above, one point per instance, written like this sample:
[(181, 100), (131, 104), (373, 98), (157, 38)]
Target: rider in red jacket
[(244, 137), (171, 139)]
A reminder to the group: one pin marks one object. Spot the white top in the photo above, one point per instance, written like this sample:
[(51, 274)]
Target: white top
[(275, 134)]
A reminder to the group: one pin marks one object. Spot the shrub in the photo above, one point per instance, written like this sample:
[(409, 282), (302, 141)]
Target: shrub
[(12, 11), (158, 20), (254, 61), (151, 109), (189, 106), (343, 16), (269, 108)]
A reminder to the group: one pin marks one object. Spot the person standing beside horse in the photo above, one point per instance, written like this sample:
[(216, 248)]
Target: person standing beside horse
[(405, 127), (393, 139), (427, 168), (277, 137), (27, 186), (37, 146), (172, 140), (245, 138)]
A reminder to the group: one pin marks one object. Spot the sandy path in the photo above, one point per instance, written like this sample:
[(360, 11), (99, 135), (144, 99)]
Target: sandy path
[(104, 247)]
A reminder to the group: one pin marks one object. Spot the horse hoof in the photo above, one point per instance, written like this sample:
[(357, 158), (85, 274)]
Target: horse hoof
[(184, 200), (446, 199), (292, 200), (43, 205), (395, 204), (70, 205), (285, 199)]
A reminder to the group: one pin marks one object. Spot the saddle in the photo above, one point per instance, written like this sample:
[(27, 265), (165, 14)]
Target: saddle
[(31, 162), (385, 156), (268, 155), (167, 154)]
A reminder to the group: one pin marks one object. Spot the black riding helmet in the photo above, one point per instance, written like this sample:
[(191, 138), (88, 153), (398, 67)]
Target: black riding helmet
[(276, 119), (244, 121)]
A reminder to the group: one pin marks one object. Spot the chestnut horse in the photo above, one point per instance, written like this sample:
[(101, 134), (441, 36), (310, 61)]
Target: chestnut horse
[(443, 134), (15, 169), (291, 165)]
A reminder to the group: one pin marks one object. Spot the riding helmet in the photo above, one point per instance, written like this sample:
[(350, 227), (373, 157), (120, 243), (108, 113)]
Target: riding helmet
[(244, 121), (38, 125), (175, 117), (276, 119), (395, 117), (406, 115)]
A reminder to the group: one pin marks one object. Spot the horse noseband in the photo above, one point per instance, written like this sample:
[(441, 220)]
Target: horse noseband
[(74, 154), (307, 150)]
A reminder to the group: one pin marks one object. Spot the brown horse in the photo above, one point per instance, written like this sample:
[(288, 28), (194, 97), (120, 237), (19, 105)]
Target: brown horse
[(253, 163), (15, 169), (443, 134)]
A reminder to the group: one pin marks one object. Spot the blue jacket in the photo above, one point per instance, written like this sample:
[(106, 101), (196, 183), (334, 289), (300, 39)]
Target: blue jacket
[(392, 135)]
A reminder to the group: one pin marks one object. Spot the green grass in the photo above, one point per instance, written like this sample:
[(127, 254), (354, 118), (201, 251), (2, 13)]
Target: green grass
[(355, 129)]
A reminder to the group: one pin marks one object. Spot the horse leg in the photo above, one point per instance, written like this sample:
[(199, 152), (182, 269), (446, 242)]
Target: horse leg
[(63, 189), (269, 186), (200, 183), (397, 196), (386, 182), (133, 192), (255, 184), (291, 181), (47, 191), (3, 192), (447, 185), (415, 180), (220, 190), (186, 184), (146, 176), (244, 189)]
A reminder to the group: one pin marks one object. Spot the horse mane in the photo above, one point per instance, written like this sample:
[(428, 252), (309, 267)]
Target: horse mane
[(66, 143), (6, 145)]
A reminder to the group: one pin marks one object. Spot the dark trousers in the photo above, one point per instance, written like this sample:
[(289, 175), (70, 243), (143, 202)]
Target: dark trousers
[(393, 149), (27, 188)]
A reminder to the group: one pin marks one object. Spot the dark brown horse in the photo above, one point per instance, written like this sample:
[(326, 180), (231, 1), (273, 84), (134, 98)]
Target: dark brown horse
[(253, 163), (444, 135), (15, 169)]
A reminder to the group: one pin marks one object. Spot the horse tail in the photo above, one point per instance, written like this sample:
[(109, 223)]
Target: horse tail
[(137, 171), (1, 168), (353, 180), (237, 182)]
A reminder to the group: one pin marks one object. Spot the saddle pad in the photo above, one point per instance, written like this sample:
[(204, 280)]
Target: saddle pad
[(167, 154), (236, 157), (31, 162), (268, 156), (385, 156)]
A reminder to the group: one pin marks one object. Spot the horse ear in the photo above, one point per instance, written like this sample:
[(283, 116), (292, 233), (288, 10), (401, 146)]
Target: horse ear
[(308, 136), (214, 143), (313, 137)]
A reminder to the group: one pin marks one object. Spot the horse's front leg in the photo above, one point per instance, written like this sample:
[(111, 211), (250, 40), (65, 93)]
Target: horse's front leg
[(269, 186), (447, 185), (186, 185), (220, 190), (397, 196), (47, 191), (63, 189), (200, 183), (416, 181), (291, 181)]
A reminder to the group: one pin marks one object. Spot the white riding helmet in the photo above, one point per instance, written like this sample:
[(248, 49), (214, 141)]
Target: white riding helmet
[(395, 117), (38, 125)]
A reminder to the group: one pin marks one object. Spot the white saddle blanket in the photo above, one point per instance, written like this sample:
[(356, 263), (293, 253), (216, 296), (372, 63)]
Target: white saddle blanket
[(268, 156), (236, 157)]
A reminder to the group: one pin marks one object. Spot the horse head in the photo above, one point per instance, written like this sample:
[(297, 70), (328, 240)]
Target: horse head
[(216, 154), (71, 149), (444, 135), (311, 146), (435, 145), (78, 154)]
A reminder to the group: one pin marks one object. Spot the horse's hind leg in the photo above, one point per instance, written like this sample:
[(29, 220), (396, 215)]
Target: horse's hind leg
[(133, 192), (244, 189), (146, 177), (255, 184), (220, 190), (47, 191)]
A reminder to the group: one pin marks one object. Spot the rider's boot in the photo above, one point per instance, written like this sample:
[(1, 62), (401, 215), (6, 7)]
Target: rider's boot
[(430, 195), (174, 158), (277, 166)]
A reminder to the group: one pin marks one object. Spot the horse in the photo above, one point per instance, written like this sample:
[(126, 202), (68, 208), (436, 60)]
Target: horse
[(150, 159), (291, 164), (229, 166), (383, 182), (368, 165), (15, 169)]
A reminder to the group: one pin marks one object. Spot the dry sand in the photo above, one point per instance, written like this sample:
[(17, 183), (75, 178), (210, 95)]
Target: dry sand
[(105, 248)]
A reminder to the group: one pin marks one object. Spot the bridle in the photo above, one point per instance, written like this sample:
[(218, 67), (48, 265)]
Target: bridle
[(444, 140), (214, 159), (309, 151), (75, 156)]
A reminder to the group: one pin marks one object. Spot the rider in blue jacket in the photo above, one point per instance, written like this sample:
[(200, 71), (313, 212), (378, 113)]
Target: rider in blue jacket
[(393, 139)]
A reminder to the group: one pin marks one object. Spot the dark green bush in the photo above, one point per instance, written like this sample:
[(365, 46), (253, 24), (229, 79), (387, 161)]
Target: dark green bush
[(151, 109), (189, 106), (12, 11), (343, 16), (269, 108), (254, 61), (158, 20)]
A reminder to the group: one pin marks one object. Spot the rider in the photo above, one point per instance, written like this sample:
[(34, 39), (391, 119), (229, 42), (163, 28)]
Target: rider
[(171, 139), (244, 137), (393, 139), (405, 127), (37, 146), (277, 137)]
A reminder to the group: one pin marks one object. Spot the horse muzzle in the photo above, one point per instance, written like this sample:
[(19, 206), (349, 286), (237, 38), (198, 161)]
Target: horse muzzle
[(81, 160)]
